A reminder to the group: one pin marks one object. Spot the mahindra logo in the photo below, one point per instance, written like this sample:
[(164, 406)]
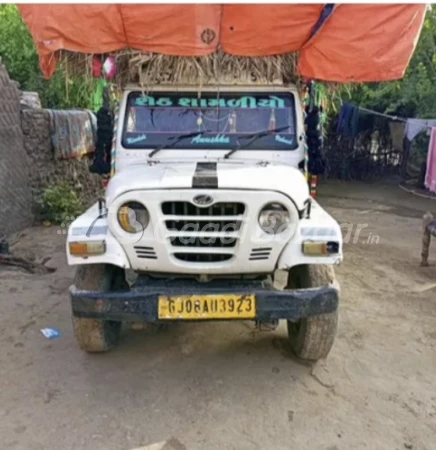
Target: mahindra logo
[(203, 200)]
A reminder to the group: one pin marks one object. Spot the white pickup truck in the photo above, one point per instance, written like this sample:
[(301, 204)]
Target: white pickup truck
[(207, 202)]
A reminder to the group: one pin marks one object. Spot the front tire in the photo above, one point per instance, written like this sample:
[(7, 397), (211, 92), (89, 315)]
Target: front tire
[(312, 337), (98, 335)]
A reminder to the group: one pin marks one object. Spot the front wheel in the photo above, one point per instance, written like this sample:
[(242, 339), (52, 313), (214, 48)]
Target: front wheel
[(97, 335), (312, 337)]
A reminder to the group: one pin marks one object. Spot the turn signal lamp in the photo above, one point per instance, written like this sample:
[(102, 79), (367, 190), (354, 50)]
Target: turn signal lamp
[(87, 248), (316, 248)]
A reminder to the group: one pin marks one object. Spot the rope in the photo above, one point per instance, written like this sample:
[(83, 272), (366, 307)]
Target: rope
[(305, 102), (114, 139), (215, 120), (388, 116), (400, 119)]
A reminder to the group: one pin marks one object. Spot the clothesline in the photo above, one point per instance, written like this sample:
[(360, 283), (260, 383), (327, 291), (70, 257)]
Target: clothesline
[(400, 119), (348, 121), (396, 118), (348, 125)]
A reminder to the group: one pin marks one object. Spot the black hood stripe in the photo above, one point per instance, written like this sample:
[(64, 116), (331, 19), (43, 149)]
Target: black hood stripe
[(205, 176)]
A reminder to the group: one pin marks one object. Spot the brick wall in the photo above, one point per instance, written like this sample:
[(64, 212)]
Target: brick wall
[(15, 192)]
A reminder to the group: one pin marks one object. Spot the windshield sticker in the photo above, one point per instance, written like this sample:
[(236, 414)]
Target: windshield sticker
[(147, 100), (136, 139), (218, 139), (191, 102), (283, 140)]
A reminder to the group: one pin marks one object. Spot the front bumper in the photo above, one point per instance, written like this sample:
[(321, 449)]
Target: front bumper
[(141, 302)]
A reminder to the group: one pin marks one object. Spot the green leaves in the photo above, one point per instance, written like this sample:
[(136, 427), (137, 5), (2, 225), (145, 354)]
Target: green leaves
[(20, 57), (59, 203), (415, 94)]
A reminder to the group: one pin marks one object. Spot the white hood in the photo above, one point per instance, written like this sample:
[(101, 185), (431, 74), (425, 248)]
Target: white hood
[(211, 175)]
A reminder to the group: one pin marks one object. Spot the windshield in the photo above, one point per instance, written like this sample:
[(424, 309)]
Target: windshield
[(221, 119)]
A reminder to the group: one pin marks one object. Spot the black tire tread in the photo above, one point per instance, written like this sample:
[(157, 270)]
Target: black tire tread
[(96, 335), (313, 337)]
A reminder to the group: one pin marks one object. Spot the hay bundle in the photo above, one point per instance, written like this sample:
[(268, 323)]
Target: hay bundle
[(148, 69)]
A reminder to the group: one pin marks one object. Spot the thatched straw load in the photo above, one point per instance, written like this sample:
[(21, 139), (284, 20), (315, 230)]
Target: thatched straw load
[(148, 69)]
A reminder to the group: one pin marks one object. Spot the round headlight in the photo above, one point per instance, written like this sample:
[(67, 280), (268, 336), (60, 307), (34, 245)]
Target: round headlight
[(274, 218), (133, 217)]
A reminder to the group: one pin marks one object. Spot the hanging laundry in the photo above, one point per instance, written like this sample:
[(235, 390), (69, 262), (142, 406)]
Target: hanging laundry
[(416, 126), (72, 133), (430, 175), (348, 123), (397, 133)]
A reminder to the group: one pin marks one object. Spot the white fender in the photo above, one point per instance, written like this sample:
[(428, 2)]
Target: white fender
[(85, 225), (320, 227)]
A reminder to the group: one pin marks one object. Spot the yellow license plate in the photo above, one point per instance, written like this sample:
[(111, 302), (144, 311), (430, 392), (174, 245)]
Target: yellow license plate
[(203, 307)]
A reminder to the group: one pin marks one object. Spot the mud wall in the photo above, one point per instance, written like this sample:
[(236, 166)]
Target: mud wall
[(46, 170), (15, 192), (28, 164)]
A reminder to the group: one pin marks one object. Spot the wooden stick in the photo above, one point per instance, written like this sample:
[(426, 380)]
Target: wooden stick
[(426, 238), (30, 266)]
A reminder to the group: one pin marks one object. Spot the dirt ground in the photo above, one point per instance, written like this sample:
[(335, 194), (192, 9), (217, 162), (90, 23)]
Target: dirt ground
[(226, 385)]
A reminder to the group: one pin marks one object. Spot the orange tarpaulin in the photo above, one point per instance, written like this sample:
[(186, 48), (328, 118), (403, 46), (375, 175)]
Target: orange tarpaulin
[(356, 42), (364, 43), (253, 30)]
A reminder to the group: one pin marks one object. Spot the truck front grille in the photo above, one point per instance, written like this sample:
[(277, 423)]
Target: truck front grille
[(189, 209), (203, 242), (192, 227), (204, 225)]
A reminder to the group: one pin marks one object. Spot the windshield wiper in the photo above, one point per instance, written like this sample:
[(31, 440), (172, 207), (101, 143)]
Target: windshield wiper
[(173, 140), (253, 137)]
